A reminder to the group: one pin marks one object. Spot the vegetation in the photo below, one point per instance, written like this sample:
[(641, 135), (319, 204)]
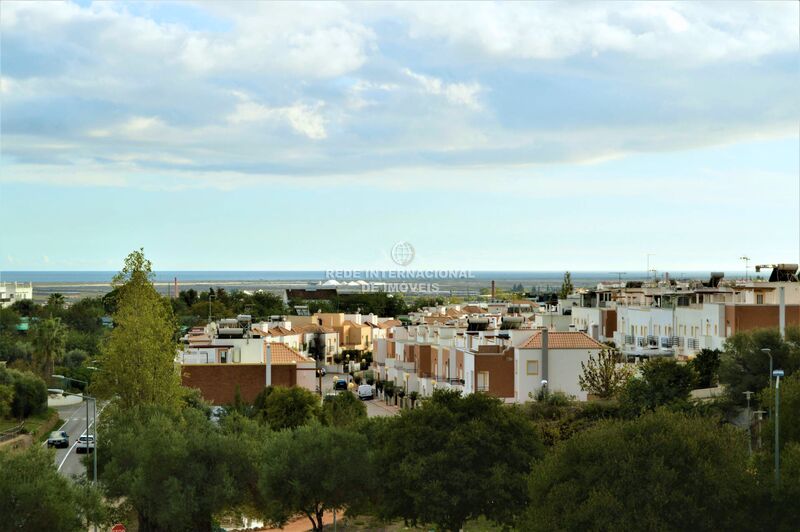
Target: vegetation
[(343, 410), (664, 382), (603, 376), (662, 471), (309, 471), (452, 460), (566, 286), (745, 367), (706, 366), (22, 394), (286, 408), (137, 360), (34, 496)]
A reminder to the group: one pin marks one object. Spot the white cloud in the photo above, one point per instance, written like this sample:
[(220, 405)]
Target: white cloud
[(689, 32), (455, 93), (303, 118)]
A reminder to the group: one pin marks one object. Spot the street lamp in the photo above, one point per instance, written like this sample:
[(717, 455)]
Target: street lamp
[(87, 398), (778, 373)]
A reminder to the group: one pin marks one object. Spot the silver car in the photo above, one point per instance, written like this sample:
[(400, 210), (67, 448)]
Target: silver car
[(58, 438), (85, 444)]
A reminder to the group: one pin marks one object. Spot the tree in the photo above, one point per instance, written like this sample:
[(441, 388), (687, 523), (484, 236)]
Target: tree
[(34, 496), (566, 286), (174, 468), (286, 408), (343, 410), (138, 360), (663, 382), (790, 411), (48, 342), (744, 367), (603, 377), (309, 471), (55, 303), (706, 365), (30, 392), (663, 471), (453, 459)]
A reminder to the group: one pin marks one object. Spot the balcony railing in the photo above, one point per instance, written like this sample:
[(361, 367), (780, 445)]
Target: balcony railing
[(482, 387)]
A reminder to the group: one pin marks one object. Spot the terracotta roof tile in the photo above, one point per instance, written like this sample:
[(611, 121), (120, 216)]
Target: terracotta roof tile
[(282, 354), (562, 340)]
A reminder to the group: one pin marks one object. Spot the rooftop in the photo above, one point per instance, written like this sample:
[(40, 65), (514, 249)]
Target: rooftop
[(562, 340)]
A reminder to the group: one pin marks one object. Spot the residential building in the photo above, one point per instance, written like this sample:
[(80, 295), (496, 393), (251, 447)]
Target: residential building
[(10, 293)]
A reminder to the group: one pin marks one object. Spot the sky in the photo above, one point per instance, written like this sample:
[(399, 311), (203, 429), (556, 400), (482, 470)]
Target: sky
[(513, 136)]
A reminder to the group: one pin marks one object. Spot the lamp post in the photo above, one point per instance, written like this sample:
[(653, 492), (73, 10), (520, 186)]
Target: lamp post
[(778, 373)]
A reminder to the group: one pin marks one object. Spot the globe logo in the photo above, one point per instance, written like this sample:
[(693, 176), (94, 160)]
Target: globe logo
[(402, 253)]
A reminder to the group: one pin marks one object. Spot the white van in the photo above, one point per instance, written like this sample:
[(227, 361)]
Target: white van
[(365, 392)]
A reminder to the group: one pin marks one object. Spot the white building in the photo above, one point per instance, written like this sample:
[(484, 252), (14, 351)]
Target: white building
[(10, 293)]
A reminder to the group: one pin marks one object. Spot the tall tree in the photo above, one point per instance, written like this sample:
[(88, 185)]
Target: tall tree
[(48, 341), (603, 376), (662, 471), (566, 286), (309, 471), (138, 360), (706, 364)]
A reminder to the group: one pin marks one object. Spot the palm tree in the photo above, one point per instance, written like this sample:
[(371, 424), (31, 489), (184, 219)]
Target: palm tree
[(56, 301), (48, 342)]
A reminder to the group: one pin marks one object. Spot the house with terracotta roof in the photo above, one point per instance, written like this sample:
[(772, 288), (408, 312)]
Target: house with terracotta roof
[(554, 357), (280, 366)]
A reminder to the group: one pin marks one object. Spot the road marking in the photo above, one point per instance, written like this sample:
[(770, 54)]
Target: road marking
[(70, 418), (76, 440)]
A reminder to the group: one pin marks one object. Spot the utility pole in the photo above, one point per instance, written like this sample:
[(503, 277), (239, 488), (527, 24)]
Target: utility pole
[(778, 374), (619, 276), (746, 260)]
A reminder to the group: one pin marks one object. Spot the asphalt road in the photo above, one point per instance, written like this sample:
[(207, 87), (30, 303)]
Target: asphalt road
[(68, 462)]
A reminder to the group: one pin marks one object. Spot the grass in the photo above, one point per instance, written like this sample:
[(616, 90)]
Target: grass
[(38, 425)]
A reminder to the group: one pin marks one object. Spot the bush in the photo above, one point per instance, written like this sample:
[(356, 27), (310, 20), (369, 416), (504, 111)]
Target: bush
[(343, 410), (30, 392)]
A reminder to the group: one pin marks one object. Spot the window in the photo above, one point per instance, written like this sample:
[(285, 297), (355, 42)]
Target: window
[(533, 367), (483, 381), (760, 299)]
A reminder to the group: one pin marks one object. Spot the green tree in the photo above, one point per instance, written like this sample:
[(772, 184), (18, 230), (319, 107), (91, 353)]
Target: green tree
[(34, 496), (309, 471), (30, 392), (790, 411), (453, 459), (706, 365), (6, 400), (566, 286), (48, 342), (343, 410), (744, 367), (662, 471), (663, 382), (286, 408), (604, 376), (174, 468), (138, 360), (55, 304)]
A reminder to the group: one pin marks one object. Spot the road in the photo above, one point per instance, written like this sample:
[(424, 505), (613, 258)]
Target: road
[(68, 462), (377, 408)]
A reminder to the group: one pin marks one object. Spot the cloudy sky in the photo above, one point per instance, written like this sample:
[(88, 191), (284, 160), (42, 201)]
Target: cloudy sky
[(272, 136)]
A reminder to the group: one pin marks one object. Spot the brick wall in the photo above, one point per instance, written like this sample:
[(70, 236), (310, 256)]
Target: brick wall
[(217, 382), (501, 372)]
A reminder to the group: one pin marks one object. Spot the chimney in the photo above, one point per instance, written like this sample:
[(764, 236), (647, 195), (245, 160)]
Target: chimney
[(545, 357), (493, 290)]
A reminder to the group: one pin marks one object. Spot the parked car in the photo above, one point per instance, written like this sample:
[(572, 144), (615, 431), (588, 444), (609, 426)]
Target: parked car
[(58, 438), (340, 384), (365, 392), (85, 444)]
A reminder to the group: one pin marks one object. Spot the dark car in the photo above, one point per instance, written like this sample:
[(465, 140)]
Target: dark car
[(58, 438), (340, 384)]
